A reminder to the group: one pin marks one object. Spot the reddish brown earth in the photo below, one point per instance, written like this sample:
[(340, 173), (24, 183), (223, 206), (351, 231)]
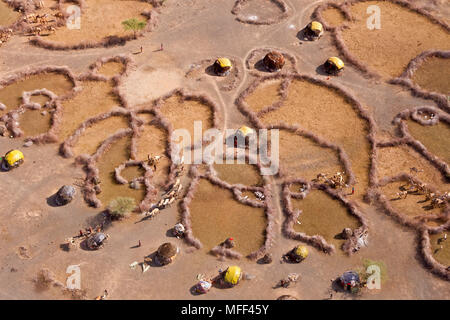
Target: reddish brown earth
[(31, 230)]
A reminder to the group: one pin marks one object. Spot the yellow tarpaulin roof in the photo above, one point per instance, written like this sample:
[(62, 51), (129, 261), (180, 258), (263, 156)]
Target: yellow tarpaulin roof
[(337, 62), (302, 251), (13, 156), (233, 275), (224, 62), (316, 26), (245, 130)]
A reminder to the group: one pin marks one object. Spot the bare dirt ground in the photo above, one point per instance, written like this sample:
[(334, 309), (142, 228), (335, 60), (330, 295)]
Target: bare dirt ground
[(32, 230), (101, 18)]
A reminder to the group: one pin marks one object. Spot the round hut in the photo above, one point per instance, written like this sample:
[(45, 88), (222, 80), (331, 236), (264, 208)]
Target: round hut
[(333, 65), (298, 254), (166, 253), (96, 240), (232, 276), (12, 159), (274, 61), (65, 195), (222, 66), (350, 281), (242, 136), (314, 30)]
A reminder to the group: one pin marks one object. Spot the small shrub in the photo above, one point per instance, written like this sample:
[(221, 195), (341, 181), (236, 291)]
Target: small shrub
[(121, 207)]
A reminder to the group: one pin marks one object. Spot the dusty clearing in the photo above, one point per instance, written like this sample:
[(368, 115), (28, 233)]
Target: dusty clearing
[(432, 75), (7, 15), (411, 32), (167, 86), (101, 19)]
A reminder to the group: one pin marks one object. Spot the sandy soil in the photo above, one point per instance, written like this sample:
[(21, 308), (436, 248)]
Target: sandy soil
[(216, 215), (257, 11), (395, 160), (95, 135), (7, 15), (34, 122), (115, 156), (11, 96), (101, 18), (321, 215), (324, 112), (245, 174), (412, 34), (95, 98), (153, 141), (334, 17), (302, 158), (215, 221), (435, 138), (432, 75), (413, 206), (182, 115), (264, 96), (442, 254), (111, 69)]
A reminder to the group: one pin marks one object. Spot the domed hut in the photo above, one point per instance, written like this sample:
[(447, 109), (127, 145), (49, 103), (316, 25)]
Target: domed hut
[(96, 240), (231, 276), (65, 195), (314, 30), (12, 159), (222, 66), (334, 66), (274, 61), (243, 135), (298, 254), (350, 281), (166, 253)]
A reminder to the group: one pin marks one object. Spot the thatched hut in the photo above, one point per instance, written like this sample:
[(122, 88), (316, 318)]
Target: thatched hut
[(274, 61), (166, 253)]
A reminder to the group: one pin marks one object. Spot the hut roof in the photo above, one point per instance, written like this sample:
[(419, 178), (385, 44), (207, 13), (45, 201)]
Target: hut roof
[(167, 250), (245, 131), (337, 62), (316, 26), (274, 60), (224, 62)]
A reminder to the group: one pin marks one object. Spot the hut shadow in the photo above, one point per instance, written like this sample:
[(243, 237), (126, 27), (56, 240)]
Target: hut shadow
[(301, 35), (339, 236), (169, 233), (209, 70), (152, 260), (51, 201), (261, 261), (428, 207), (336, 286), (259, 65), (320, 70)]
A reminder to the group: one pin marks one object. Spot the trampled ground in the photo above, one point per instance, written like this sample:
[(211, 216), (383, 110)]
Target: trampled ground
[(116, 105)]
